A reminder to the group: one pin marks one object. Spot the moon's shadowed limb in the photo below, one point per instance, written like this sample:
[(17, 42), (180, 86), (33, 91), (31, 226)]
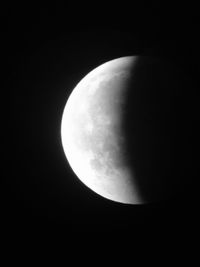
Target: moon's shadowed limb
[(157, 128)]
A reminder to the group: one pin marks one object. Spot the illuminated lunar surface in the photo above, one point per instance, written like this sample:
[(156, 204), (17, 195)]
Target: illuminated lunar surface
[(92, 134)]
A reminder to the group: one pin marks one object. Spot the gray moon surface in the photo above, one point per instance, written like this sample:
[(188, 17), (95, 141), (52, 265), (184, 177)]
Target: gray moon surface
[(92, 132)]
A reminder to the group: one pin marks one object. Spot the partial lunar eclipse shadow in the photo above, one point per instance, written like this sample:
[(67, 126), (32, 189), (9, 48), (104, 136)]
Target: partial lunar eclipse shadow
[(121, 130)]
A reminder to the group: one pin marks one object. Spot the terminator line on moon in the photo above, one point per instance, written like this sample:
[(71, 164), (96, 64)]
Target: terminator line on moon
[(91, 132)]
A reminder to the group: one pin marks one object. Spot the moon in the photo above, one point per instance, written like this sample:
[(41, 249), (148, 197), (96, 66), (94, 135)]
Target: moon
[(121, 130), (92, 134)]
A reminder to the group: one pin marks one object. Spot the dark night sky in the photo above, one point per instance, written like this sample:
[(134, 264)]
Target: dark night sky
[(47, 50)]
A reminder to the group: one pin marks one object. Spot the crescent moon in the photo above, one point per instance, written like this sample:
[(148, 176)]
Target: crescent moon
[(91, 132)]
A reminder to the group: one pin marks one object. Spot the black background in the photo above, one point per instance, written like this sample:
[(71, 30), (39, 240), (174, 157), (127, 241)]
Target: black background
[(47, 50)]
